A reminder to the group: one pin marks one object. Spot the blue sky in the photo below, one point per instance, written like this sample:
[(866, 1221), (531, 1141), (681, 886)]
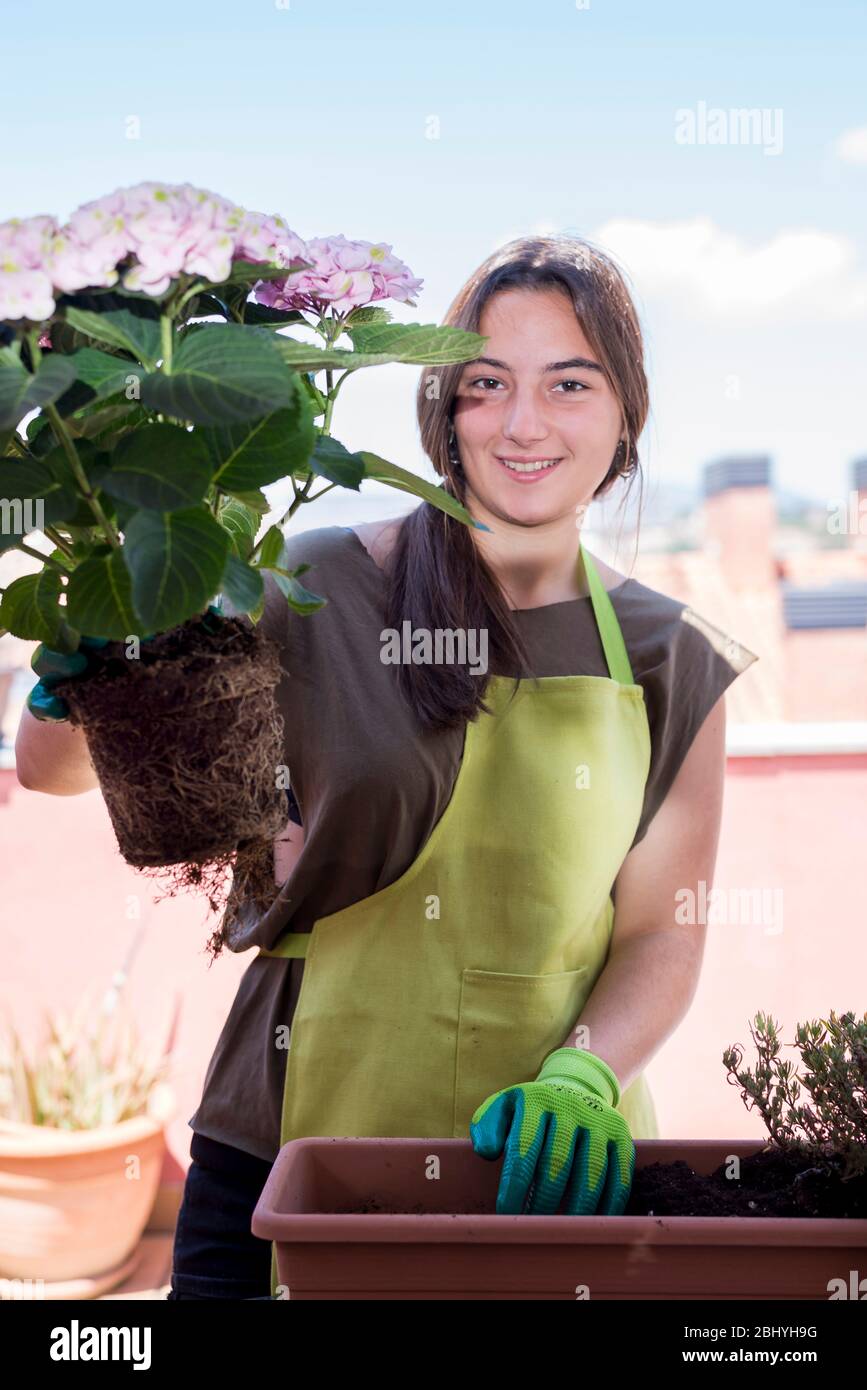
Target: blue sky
[(749, 268)]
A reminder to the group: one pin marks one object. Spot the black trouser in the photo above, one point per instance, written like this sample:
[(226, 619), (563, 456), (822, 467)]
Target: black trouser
[(216, 1254)]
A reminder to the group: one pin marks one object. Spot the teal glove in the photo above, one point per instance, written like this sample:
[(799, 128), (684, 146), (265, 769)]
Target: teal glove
[(562, 1136), (52, 667)]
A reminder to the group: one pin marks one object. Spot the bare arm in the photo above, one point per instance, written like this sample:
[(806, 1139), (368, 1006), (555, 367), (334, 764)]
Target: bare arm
[(653, 966), (52, 757)]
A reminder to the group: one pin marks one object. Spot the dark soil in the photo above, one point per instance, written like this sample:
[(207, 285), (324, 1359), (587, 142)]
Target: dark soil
[(186, 740), (771, 1184)]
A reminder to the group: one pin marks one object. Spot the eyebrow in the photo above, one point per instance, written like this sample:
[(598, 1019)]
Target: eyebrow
[(583, 362)]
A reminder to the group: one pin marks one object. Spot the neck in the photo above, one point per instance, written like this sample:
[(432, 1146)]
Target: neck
[(534, 565)]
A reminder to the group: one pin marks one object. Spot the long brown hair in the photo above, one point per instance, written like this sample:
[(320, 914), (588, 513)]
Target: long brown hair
[(437, 575)]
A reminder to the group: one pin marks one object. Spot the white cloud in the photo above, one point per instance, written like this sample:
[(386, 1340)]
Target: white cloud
[(718, 274), (851, 146)]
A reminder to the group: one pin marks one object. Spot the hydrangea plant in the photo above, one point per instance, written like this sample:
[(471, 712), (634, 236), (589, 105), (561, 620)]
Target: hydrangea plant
[(151, 387)]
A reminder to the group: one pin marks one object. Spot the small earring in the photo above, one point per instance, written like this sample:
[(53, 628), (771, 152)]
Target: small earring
[(452, 450)]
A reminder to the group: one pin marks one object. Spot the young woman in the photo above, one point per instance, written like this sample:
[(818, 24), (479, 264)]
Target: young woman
[(443, 949)]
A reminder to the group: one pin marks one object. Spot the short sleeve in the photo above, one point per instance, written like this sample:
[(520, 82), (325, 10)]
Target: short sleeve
[(697, 666)]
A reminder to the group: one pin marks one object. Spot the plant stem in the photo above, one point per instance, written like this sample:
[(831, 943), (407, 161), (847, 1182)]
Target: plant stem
[(329, 401), (194, 289), (60, 541), (61, 433), (167, 340), (316, 496), (38, 555), (80, 476), (298, 499)]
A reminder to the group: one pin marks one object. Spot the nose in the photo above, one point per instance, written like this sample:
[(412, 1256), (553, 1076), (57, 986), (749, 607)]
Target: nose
[(523, 420)]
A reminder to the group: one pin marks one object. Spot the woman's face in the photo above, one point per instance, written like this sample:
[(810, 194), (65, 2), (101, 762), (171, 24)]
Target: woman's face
[(516, 403)]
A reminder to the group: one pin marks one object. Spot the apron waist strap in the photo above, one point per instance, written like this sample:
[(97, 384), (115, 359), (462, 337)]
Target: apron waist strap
[(292, 945)]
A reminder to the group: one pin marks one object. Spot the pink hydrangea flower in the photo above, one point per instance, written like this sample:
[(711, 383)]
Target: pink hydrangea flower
[(345, 275), (145, 235), (25, 285), (260, 237)]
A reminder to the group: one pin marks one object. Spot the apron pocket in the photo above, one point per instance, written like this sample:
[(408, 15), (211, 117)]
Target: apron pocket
[(507, 1026)]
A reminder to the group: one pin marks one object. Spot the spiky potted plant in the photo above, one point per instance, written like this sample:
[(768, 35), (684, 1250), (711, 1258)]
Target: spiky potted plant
[(150, 387), (706, 1219), (82, 1141)]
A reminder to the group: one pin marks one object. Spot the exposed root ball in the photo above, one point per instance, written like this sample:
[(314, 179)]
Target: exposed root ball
[(186, 740)]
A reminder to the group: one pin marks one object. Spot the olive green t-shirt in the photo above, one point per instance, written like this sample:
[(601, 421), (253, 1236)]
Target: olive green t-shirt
[(371, 784)]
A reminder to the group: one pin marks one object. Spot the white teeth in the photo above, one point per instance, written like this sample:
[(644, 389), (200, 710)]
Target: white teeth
[(529, 467)]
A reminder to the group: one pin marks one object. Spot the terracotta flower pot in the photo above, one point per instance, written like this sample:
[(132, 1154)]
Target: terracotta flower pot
[(74, 1203), (411, 1219)]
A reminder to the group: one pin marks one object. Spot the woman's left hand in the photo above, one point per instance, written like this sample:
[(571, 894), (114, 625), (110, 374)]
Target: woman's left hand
[(562, 1136)]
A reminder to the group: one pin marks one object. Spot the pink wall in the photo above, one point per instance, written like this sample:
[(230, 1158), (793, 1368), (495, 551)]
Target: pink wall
[(794, 824), (65, 927)]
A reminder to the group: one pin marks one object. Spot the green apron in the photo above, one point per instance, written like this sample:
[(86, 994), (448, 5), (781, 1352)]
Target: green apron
[(459, 978)]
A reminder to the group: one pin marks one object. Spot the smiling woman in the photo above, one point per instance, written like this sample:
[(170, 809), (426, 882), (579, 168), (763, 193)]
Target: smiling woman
[(444, 946)]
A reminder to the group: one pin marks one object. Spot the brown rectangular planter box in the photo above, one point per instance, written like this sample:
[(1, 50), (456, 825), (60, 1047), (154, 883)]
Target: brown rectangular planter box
[(436, 1244)]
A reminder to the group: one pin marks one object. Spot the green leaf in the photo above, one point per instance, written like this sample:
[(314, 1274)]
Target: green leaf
[(40, 436), (369, 313), (176, 560), (63, 559), (299, 598), (271, 548), (30, 608), (332, 460), (66, 339), (254, 499), (30, 480), (241, 523), (162, 467), (315, 396), (242, 585), (119, 328), (256, 613), (203, 304), (222, 373), (307, 357), (95, 463), (375, 344), (390, 473), (426, 344), (107, 415), (22, 391), (99, 598), (263, 451), (106, 374), (248, 272), (263, 314)]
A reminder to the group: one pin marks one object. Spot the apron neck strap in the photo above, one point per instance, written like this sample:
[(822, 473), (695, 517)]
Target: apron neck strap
[(606, 620)]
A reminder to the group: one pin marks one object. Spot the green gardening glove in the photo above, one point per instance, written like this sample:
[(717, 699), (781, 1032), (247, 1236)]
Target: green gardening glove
[(563, 1138), (52, 667)]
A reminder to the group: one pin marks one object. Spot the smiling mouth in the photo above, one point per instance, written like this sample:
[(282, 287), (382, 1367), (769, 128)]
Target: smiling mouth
[(526, 471)]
